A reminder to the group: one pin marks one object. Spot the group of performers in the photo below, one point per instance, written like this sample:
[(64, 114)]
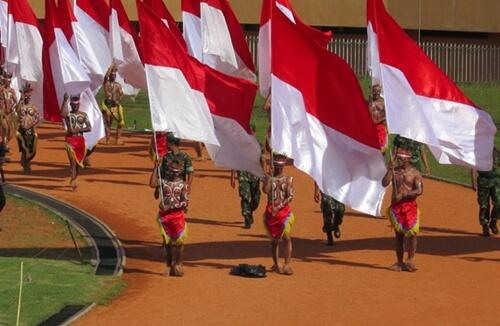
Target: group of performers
[(173, 174), (18, 119)]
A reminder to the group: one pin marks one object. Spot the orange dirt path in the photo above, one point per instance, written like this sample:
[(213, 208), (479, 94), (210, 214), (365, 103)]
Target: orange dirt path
[(346, 284)]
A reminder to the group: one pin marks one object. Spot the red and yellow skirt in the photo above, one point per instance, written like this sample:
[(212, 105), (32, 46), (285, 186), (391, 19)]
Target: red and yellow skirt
[(76, 148), (173, 226), (405, 217), (279, 224)]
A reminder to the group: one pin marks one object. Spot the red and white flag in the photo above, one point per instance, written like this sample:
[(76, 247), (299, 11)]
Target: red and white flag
[(24, 50), (91, 36), (197, 102), (422, 103), (223, 42), (161, 10), (124, 44), (191, 21), (264, 43), (321, 120), (65, 74)]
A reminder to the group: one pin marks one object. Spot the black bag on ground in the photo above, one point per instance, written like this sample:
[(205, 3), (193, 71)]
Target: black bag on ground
[(246, 270)]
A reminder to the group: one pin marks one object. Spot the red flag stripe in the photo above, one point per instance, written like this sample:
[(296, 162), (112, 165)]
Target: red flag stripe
[(98, 10), (191, 6), (329, 86), (424, 76)]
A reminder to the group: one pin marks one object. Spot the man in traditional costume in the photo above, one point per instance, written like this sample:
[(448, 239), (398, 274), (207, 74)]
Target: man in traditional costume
[(77, 123), (173, 204), (28, 119), (111, 108), (418, 155), (8, 102), (403, 212), (487, 186), (278, 218), (333, 214)]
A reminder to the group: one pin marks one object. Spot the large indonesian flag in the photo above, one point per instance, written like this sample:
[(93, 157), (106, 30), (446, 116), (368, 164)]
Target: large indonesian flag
[(197, 102), (24, 49), (65, 74), (422, 103), (223, 42), (124, 44), (191, 21), (264, 43), (321, 120), (161, 10)]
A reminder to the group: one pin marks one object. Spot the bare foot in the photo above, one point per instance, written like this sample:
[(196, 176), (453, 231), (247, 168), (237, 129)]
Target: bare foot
[(410, 266), (276, 269), (287, 270), (179, 270), (106, 142), (396, 267), (73, 185), (119, 142)]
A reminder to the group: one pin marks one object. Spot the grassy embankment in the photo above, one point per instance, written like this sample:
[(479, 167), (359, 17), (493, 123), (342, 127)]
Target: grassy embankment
[(54, 275)]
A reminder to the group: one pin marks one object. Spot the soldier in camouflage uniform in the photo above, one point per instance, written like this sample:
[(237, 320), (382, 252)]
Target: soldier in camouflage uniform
[(419, 158), (175, 154), (487, 185), (249, 193), (333, 214)]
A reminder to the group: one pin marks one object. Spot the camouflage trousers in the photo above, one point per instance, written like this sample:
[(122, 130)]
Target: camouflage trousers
[(250, 196), (488, 194), (333, 213)]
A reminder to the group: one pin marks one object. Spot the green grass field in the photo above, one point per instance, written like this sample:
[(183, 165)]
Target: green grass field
[(54, 276), (487, 96)]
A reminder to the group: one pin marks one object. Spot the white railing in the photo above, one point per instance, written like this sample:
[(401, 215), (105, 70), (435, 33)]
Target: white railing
[(470, 63)]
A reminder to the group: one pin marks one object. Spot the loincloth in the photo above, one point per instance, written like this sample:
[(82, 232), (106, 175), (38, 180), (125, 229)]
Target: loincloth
[(279, 224), (173, 226), (114, 113), (382, 136), (405, 216), (25, 144), (76, 148)]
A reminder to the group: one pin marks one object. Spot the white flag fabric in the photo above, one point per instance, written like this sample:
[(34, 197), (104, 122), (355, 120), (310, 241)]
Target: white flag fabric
[(191, 20), (91, 38), (4, 21), (223, 43), (24, 50), (422, 103), (124, 42), (321, 120)]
